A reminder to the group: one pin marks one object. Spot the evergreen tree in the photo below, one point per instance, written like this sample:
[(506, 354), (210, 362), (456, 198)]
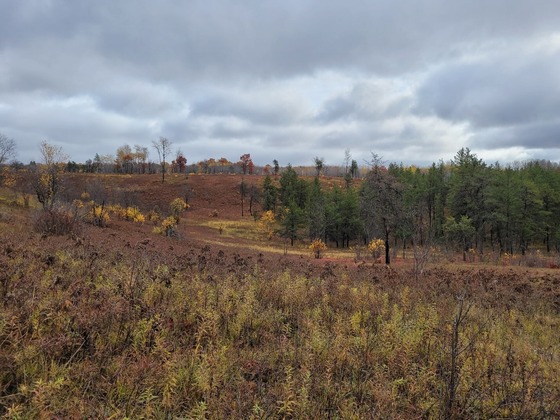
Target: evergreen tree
[(531, 214), (269, 193), (292, 189), (293, 219), (319, 164), (316, 211), (343, 222), (333, 216), (461, 231), (503, 205), (349, 216), (436, 197), (468, 191), (547, 178)]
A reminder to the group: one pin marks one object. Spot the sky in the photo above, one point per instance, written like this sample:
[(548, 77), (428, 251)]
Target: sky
[(412, 81)]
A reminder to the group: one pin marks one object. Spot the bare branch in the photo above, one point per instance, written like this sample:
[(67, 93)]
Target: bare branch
[(7, 149), (163, 147)]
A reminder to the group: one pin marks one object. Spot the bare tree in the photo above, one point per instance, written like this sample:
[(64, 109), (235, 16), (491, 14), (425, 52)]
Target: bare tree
[(7, 149), (163, 147), (348, 176), (242, 193), (347, 158), (422, 250), (456, 349), (141, 157)]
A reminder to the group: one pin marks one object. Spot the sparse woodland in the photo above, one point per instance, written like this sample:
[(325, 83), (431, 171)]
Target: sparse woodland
[(129, 297)]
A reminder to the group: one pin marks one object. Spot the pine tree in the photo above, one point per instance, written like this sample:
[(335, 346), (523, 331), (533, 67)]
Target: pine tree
[(269, 193)]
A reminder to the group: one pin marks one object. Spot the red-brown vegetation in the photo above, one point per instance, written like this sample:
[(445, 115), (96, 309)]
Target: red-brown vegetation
[(120, 322)]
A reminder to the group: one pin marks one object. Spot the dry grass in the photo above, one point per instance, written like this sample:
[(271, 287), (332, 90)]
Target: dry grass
[(141, 331), (119, 322), (240, 229)]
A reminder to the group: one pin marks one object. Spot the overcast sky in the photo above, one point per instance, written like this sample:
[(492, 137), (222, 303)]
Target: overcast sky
[(410, 80)]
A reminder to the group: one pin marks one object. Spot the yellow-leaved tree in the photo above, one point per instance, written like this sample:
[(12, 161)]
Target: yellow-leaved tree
[(48, 177), (266, 223)]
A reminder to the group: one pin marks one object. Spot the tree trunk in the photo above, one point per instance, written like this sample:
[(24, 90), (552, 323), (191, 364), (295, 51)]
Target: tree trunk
[(387, 253)]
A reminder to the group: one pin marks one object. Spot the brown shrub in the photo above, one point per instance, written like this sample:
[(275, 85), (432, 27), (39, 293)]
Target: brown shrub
[(56, 221)]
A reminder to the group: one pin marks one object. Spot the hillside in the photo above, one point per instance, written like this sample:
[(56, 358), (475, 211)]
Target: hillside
[(123, 322)]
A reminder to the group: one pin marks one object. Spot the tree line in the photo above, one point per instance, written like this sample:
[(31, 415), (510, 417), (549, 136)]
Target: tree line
[(128, 160), (465, 204)]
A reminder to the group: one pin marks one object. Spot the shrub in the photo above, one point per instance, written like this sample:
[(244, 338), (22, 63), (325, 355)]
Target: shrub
[(358, 250), (97, 214), (8, 177), (177, 206), (376, 248), (167, 228), (78, 204), (134, 215), (117, 210), (56, 221), (317, 247), (154, 216)]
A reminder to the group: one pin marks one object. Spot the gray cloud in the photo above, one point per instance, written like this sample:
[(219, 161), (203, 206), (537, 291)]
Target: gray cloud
[(412, 81), (509, 99), (257, 108), (366, 101), (539, 135), (171, 39), (496, 91)]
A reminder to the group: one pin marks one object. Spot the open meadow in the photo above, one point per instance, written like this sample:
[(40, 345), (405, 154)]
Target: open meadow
[(114, 314)]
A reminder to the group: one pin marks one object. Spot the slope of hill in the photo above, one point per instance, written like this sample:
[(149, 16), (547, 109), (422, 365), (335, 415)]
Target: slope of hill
[(122, 322)]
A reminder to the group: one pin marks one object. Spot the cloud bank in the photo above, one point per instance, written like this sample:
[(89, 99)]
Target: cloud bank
[(287, 80)]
